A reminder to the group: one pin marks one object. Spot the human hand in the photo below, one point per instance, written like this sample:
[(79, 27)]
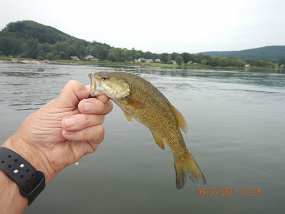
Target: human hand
[(62, 131)]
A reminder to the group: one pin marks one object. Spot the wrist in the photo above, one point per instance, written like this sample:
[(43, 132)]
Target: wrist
[(11, 201), (31, 154)]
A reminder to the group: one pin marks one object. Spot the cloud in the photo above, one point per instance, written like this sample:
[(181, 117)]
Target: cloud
[(159, 26)]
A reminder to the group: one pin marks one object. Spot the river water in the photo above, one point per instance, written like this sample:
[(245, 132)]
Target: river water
[(236, 133)]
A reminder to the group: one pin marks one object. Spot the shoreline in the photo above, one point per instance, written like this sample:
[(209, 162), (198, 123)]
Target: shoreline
[(137, 64)]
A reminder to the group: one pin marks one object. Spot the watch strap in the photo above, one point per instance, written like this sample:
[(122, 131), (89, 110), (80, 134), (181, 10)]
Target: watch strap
[(30, 181)]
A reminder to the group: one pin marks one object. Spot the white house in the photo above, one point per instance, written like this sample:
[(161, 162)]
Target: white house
[(89, 57), (74, 58), (144, 60)]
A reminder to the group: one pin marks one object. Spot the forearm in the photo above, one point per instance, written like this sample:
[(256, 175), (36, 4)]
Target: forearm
[(11, 201)]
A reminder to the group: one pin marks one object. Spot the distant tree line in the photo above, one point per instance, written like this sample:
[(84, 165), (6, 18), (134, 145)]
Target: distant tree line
[(28, 39)]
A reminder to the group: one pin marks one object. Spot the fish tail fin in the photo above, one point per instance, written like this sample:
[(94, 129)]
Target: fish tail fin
[(186, 165)]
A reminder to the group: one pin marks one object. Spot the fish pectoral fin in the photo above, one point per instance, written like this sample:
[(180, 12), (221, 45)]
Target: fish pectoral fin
[(180, 120), (158, 141), (135, 103), (128, 116)]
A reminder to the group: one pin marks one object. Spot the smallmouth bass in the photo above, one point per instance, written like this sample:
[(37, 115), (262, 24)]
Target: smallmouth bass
[(140, 100)]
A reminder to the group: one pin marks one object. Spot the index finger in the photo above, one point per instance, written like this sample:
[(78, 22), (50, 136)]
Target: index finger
[(73, 92), (103, 98)]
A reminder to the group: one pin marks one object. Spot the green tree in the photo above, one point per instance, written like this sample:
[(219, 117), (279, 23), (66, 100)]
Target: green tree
[(179, 60), (164, 57), (31, 48), (115, 54), (186, 57), (10, 46)]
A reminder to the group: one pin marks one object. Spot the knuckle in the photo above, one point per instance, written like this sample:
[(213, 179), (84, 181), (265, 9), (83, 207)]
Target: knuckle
[(109, 107), (92, 120), (100, 133), (95, 134), (72, 82)]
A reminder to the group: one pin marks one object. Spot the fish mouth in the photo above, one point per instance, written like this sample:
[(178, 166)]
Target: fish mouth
[(93, 86), (90, 76)]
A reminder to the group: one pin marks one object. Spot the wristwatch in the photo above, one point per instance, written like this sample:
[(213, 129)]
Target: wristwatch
[(30, 181)]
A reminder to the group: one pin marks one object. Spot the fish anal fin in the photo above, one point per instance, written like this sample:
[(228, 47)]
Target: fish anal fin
[(128, 116), (180, 120), (158, 141)]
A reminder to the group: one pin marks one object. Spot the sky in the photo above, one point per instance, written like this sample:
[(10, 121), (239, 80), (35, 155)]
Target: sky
[(159, 25)]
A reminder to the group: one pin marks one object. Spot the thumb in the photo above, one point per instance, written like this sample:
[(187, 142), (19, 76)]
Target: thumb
[(73, 92)]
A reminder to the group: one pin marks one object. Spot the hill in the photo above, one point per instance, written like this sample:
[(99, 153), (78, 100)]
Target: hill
[(275, 53), (30, 29), (33, 40), (29, 39)]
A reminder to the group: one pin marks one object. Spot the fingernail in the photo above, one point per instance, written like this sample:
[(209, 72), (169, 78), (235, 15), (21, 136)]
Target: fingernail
[(88, 107), (70, 122)]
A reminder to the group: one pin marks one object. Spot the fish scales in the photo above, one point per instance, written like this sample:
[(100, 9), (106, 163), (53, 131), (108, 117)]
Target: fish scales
[(139, 99), (149, 106)]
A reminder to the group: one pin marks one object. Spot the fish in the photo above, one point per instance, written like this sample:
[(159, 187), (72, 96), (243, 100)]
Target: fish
[(142, 101)]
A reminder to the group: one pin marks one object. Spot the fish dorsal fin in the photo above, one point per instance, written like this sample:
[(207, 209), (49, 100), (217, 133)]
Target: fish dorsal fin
[(158, 141), (128, 116), (180, 120)]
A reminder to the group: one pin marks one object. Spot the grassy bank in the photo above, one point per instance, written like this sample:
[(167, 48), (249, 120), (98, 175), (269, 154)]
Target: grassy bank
[(137, 64)]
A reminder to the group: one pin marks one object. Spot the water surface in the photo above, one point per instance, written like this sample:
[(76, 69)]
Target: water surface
[(236, 133)]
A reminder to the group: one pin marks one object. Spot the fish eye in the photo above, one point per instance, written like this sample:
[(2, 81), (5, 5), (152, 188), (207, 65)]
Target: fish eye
[(105, 78)]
